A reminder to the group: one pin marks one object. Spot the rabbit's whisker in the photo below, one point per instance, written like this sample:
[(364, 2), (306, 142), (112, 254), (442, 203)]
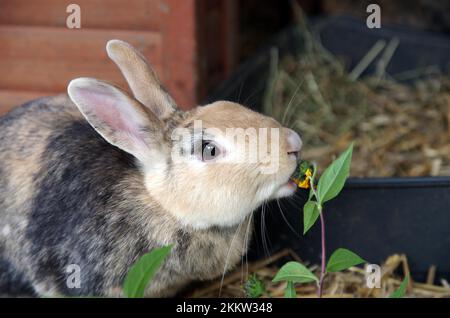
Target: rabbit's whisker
[(285, 219), (265, 241), (245, 247), (240, 91), (225, 267)]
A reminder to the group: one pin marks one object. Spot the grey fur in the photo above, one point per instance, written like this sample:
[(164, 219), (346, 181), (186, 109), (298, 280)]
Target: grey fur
[(69, 197)]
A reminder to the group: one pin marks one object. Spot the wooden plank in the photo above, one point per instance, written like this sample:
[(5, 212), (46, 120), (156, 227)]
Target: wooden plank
[(217, 39), (230, 30), (111, 14), (46, 59), (10, 99), (198, 51), (180, 46)]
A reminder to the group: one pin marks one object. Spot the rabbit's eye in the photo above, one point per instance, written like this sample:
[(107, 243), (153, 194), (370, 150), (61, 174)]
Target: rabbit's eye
[(210, 151)]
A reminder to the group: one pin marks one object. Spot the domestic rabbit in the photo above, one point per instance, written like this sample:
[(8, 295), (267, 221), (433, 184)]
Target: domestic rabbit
[(95, 180)]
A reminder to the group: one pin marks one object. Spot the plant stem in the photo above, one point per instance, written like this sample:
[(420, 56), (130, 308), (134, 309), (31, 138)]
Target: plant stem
[(322, 226), (322, 271)]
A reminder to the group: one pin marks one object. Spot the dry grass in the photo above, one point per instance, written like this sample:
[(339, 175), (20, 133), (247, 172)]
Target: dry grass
[(348, 284), (398, 129)]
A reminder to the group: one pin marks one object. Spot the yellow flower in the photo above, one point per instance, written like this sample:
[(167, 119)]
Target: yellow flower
[(308, 173), (304, 184)]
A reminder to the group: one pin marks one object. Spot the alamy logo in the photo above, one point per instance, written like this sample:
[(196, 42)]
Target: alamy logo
[(73, 21), (373, 276), (74, 276), (251, 145), (373, 21)]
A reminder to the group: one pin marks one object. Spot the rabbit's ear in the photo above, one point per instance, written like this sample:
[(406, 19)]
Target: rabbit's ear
[(141, 78), (121, 120)]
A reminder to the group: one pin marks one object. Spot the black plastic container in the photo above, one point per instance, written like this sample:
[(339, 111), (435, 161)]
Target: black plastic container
[(375, 217)]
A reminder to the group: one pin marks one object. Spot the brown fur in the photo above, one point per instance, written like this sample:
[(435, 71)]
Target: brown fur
[(77, 191)]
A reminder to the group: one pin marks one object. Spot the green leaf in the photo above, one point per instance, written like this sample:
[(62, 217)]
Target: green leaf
[(254, 287), (342, 259), (333, 178), (310, 214), (401, 290), (296, 273), (141, 273), (290, 291), (312, 182), (302, 167)]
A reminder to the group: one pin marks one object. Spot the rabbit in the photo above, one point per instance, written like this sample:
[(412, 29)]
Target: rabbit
[(90, 181)]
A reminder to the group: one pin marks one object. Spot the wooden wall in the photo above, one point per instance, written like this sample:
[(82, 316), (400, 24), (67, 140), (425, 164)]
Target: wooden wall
[(190, 43)]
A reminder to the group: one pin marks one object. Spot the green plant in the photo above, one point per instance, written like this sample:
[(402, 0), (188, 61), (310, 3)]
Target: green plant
[(401, 290), (292, 273), (254, 287), (328, 187), (142, 272)]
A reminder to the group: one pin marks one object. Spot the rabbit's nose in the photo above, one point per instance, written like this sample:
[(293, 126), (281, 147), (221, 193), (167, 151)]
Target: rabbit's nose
[(294, 143)]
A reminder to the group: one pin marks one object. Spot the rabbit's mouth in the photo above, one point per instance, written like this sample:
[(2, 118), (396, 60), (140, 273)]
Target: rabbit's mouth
[(291, 184), (285, 190)]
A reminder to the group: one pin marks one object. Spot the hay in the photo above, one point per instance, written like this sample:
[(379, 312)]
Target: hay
[(398, 129), (348, 284)]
